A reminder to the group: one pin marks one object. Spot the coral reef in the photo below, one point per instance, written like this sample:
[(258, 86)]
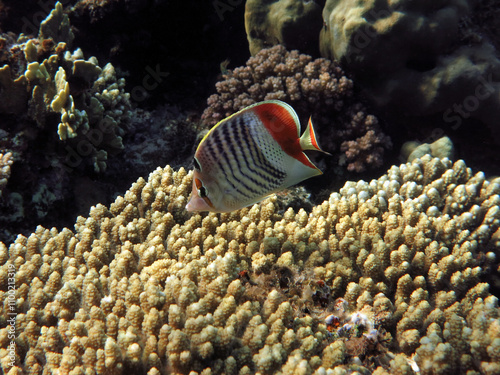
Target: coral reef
[(289, 22), (93, 106), (408, 58), (317, 88), (434, 65), (382, 271), (5, 163), (415, 59), (61, 116)]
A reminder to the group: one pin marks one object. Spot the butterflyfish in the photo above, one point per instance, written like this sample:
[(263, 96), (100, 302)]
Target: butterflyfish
[(250, 155)]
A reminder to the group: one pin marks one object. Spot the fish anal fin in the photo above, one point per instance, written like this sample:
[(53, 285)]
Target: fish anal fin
[(299, 171)]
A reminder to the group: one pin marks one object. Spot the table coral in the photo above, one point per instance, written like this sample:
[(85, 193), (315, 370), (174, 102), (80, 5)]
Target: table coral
[(317, 88), (145, 287)]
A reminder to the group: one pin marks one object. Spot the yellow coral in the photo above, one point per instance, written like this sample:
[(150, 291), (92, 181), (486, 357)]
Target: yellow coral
[(94, 113), (143, 284)]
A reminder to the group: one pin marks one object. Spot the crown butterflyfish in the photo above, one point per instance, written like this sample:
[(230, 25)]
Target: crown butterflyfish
[(250, 155)]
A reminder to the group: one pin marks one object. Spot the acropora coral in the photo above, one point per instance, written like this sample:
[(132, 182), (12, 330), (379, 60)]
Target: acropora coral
[(143, 287), (317, 88)]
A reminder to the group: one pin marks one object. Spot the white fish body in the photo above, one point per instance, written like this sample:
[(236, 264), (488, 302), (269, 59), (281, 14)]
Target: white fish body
[(250, 155)]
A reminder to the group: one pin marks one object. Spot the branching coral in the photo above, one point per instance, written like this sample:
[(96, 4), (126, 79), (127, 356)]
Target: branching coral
[(317, 88), (6, 161), (144, 287)]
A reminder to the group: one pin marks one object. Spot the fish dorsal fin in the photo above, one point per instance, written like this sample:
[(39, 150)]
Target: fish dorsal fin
[(308, 139), (221, 122), (280, 120), (286, 128)]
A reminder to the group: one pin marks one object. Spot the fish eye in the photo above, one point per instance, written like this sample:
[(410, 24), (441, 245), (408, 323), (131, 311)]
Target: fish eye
[(197, 165), (202, 192)]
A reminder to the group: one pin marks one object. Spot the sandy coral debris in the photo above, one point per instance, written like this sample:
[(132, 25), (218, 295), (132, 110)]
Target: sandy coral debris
[(386, 276)]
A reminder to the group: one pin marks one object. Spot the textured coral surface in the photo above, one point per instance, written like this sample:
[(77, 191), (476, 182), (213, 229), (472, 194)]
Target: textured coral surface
[(5, 163), (409, 58), (93, 106), (65, 119), (288, 22), (143, 287)]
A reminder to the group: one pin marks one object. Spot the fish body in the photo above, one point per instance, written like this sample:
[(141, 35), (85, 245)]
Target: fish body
[(250, 155)]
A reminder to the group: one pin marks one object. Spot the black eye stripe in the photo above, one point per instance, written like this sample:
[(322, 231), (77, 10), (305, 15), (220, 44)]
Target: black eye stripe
[(197, 164), (202, 191)]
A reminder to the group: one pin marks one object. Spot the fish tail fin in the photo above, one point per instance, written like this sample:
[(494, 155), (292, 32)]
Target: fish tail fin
[(308, 139)]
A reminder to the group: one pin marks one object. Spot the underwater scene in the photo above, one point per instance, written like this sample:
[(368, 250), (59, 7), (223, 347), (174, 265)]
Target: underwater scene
[(235, 187)]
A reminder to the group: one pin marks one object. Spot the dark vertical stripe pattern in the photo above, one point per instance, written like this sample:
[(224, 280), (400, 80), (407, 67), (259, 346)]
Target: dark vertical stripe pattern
[(246, 156)]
